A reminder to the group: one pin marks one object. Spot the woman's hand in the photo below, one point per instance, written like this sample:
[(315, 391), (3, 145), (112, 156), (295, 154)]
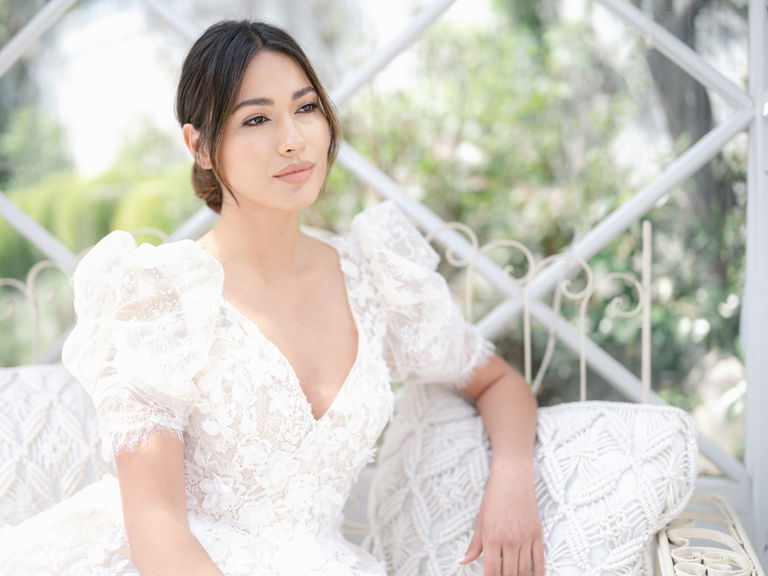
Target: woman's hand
[(508, 530)]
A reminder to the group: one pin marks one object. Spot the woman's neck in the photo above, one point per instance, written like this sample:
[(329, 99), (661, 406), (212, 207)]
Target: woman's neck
[(264, 243)]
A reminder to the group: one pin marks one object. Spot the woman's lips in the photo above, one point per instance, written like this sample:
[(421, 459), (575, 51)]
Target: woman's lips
[(296, 173)]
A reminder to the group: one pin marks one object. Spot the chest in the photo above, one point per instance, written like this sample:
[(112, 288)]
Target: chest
[(312, 326), (305, 363), (316, 336), (250, 395)]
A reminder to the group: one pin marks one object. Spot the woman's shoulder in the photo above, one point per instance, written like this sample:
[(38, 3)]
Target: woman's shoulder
[(120, 246), (117, 270), (142, 307), (118, 254), (382, 231)]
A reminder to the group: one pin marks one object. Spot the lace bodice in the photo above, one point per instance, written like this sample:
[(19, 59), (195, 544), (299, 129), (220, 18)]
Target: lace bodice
[(162, 352)]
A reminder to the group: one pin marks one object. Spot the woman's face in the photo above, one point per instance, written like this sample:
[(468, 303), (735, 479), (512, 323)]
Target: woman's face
[(274, 153)]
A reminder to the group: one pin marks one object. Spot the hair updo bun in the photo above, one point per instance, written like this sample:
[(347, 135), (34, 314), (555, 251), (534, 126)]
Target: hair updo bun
[(207, 187)]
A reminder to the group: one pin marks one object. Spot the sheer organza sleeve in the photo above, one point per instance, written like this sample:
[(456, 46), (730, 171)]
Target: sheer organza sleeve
[(145, 318), (427, 338)]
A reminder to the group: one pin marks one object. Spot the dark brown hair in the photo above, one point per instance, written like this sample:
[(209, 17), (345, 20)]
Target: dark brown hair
[(210, 81)]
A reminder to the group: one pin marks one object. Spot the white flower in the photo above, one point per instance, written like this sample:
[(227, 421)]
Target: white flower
[(218, 494), (257, 513), (211, 427), (253, 454), (278, 470), (302, 492)]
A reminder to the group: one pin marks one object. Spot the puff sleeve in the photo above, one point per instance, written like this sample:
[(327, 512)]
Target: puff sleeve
[(427, 338), (145, 318)]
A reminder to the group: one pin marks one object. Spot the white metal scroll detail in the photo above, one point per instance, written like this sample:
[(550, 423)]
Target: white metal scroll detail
[(28, 293), (706, 539), (580, 296)]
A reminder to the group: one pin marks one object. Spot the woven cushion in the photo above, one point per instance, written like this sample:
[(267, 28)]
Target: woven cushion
[(608, 477), (49, 445)]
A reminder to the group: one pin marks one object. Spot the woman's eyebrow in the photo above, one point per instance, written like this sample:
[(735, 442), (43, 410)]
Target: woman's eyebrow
[(269, 102)]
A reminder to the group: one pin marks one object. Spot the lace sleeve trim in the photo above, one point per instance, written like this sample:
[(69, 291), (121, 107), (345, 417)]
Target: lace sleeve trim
[(482, 353), (132, 441)]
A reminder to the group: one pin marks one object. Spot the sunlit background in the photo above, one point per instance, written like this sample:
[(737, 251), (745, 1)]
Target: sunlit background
[(525, 120)]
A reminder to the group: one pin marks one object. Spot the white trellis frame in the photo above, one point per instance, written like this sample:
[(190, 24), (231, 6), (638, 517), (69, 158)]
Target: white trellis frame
[(746, 485)]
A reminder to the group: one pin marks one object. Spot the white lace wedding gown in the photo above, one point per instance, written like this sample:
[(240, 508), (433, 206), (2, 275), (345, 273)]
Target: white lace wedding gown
[(161, 352)]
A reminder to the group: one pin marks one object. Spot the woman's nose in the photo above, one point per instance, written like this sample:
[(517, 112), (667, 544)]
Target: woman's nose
[(292, 141)]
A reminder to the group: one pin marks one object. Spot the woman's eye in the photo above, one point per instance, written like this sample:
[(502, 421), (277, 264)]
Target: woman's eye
[(311, 107), (255, 121)]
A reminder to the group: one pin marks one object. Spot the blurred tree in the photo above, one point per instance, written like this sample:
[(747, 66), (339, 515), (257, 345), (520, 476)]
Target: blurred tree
[(33, 145), (511, 127), (147, 186), (688, 112), (493, 129), (17, 87), (706, 217), (509, 132)]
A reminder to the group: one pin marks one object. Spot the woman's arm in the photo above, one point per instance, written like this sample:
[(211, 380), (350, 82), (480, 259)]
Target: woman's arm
[(508, 531), (152, 488)]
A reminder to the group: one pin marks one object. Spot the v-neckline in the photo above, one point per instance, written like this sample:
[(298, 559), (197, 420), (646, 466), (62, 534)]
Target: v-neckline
[(252, 326)]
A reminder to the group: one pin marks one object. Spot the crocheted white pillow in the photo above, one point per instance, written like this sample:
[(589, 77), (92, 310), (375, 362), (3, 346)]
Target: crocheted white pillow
[(609, 475), (49, 444)]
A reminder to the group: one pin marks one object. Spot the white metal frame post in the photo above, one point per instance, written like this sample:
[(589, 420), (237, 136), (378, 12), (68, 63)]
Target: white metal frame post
[(27, 36), (755, 330)]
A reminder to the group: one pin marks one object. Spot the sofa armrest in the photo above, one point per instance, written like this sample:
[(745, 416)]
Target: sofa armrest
[(49, 442)]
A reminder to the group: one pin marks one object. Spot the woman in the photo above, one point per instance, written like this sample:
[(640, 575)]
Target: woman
[(242, 381)]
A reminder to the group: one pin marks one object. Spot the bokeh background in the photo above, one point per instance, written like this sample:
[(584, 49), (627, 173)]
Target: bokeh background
[(525, 120)]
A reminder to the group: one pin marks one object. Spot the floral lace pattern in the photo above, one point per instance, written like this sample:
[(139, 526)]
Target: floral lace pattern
[(424, 342), (161, 352)]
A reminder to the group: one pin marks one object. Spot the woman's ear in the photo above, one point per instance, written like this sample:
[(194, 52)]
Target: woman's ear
[(192, 142)]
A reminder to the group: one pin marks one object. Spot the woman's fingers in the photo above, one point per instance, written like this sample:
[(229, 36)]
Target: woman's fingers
[(538, 556), (508, 560), (515, 561), (474, 549), (492, 562)]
